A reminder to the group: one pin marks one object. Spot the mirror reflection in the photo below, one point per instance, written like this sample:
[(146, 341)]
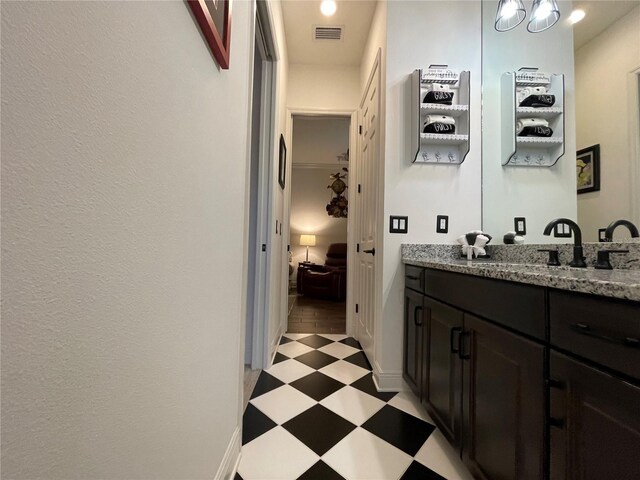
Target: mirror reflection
[(594, 124)]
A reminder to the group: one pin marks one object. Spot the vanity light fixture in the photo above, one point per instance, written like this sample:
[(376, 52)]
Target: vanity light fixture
[(544, 15), (510, 14), (328, 7), (576, 16)]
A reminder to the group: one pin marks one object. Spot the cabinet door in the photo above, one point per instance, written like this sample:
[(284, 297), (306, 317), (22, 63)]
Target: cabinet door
[(413, 320), (595, 423), (503, 403), (442, 390)]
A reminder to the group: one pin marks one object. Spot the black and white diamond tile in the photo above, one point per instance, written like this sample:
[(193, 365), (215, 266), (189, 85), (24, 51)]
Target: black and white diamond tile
[(316, 414)]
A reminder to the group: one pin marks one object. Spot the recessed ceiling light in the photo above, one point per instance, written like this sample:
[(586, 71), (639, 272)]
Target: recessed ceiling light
[(576, 16), (328, 7)]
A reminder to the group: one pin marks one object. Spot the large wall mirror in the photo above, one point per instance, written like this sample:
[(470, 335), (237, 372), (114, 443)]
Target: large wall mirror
[(598, 61)]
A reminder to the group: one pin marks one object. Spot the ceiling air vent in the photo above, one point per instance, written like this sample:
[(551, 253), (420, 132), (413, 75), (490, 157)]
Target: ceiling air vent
[(328, 33)]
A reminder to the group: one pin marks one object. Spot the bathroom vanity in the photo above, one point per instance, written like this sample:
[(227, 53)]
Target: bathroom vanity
[(528, 371)]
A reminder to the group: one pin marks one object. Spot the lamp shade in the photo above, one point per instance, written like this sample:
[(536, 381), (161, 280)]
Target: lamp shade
[(509, 15), (308, 240), (544, 14)]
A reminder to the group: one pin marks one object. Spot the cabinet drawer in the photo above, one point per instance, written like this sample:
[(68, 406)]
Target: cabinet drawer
[(414, 278), (602, 330), (517, 306)]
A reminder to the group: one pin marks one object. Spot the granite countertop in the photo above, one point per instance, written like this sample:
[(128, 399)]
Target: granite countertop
[(624, 284)]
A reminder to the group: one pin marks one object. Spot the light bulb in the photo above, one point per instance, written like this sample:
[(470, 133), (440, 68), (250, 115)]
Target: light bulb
[(508, 10), (543, 11), (328, 7), (576, 16)]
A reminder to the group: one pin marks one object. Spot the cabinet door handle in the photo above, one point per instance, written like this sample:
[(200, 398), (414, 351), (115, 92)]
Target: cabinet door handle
[(410, 277), (553, 383), (586, 329), (415, 316), (372, 251), (452, 342), (461, 345), (556, 422)]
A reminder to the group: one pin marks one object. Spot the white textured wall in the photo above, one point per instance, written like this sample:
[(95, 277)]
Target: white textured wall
[(124, 154), (602, 115), (538, 194), (323, 87), (424, 191), (319, 140)]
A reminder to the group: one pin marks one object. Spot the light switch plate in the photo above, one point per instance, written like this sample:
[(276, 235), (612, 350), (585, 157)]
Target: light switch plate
[(562, 230), (602, 234), (442, 224), (520, 225), (398, 224)]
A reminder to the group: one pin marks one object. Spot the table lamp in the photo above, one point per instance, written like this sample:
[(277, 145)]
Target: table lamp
[(307, 241)]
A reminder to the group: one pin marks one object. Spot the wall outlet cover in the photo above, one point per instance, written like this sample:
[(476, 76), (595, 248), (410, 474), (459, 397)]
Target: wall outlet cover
[(520, 225), (442, 224), (602, 234), (562, 230), (398, 224)]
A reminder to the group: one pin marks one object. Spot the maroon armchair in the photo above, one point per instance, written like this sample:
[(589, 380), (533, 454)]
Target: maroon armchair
[(328, 281)]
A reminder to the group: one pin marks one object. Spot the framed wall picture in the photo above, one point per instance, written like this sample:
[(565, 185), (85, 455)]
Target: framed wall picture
[(588, 169), (214, 19), (282, 162)]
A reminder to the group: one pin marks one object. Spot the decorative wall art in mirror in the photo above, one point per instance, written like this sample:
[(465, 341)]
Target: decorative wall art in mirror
[(214, 19), (588, 169), (599, 58)]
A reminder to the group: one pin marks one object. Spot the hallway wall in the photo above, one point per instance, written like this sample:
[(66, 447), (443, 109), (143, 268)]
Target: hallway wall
[(277, 288), (323, 87), (124, 158)]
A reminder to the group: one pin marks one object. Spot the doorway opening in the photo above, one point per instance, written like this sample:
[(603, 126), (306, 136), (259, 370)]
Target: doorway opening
[(318, 220)]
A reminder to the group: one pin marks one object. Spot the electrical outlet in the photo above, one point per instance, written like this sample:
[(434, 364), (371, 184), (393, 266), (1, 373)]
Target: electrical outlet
[(602, 234), (562, 230), (442, 224), (520, 225), (398, 224)]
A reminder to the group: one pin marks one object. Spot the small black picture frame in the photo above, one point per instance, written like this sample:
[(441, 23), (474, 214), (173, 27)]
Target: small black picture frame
[(588, 169), (282, 162)]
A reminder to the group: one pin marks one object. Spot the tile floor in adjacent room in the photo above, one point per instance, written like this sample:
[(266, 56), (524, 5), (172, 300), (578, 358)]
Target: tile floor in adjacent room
[(316, 414)]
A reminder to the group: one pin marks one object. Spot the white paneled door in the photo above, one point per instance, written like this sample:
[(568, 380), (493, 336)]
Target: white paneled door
[(366, 210)]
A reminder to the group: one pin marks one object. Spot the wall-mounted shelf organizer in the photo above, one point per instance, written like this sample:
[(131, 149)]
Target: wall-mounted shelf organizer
[(443, 148), (531, 151)]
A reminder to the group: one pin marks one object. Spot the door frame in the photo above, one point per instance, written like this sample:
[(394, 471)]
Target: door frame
[(352, 114), (261, 292), (634, 142)]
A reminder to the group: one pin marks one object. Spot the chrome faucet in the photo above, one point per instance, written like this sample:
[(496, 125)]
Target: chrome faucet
[(578, 257), (608, 234)]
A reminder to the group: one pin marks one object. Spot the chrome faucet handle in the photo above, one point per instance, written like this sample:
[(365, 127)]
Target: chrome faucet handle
[(554, 256), (602, 262)]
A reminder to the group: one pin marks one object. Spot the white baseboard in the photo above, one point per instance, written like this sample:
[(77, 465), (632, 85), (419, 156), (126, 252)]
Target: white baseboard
[(229, 465), (387, 381)]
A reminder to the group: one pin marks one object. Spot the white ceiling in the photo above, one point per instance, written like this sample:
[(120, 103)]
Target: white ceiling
[(300, 19), (599, 15)]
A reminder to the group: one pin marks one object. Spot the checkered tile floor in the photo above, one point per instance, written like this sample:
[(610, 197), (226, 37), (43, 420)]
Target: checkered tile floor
[(316, 414)]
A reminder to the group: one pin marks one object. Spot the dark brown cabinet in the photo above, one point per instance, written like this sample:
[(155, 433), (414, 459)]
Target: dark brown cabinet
[(594, 425), (526, 382), (413, 340), (442, 387), (503, 403)]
